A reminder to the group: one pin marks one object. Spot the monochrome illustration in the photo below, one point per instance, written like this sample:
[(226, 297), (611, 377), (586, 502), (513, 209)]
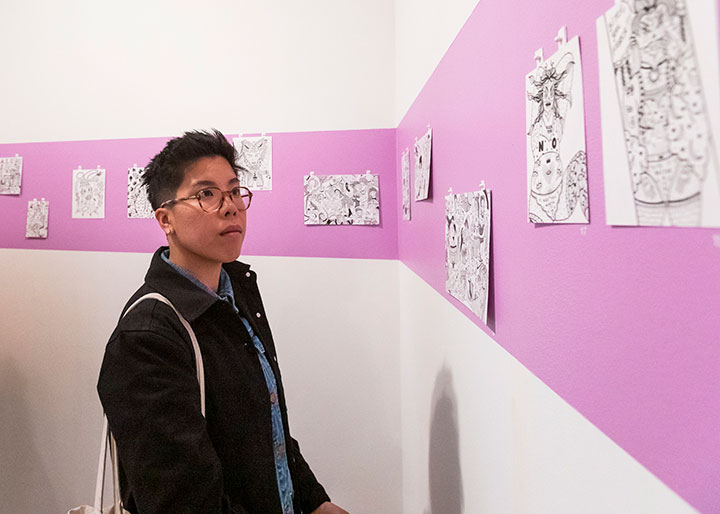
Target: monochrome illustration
[(556, 160), (405, 165), (138, 203), (467, 249), (659, 131), (10, 175), (37, 219), (342, 199), (88, 192), (255, 156), (422, 150)]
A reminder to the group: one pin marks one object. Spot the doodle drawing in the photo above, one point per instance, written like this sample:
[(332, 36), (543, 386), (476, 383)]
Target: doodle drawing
[(37, 219), (422, 150), (255, 157), (405, 166), (10, 175), (138, 203), (88, 193), (342, 199)]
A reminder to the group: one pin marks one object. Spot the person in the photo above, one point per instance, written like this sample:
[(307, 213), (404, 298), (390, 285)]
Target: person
[(239, 458)]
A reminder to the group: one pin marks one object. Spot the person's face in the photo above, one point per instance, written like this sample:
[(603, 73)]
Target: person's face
[(205, 236)]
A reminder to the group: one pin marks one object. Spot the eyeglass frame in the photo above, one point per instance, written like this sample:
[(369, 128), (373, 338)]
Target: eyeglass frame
[(223, 194)]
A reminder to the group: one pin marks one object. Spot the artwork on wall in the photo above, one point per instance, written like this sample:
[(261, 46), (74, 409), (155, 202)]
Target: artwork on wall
[(555, 122), (405, 166), (467, 249), (422, 151), (660, 112), (10, 175), (37, 219), (88, 193), (255, 157), (342, 199), (137, 199)]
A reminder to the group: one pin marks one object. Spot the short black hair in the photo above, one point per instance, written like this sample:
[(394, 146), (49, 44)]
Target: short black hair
[(166, 171)]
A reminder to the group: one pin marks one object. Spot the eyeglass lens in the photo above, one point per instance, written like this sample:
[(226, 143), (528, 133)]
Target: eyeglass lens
[(211, 198)]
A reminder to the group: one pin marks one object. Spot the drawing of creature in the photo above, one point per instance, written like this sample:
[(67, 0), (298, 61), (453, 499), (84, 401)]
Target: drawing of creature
[(10, 176), (421, 151), (667, 131), (555, 192), (37, 219), (405, 165), (451, 247), (252, 157), (138, 203), (89, 193)]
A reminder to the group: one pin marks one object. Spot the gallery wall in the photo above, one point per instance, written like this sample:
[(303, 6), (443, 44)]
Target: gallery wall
[(621, 322)]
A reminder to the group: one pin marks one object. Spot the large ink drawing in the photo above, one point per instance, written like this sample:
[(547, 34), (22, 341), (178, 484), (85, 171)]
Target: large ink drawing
[(668, 172), (255, 157), (37, 219), (342, 199), (138, 203), (405, 166), (10, 175), (467, 249), (422, 152), (556, 160), (88, 193)]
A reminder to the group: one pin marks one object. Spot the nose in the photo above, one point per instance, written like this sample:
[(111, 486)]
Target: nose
[(228, 207)]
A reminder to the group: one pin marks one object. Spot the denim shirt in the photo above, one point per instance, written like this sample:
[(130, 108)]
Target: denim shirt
[(282, 470)]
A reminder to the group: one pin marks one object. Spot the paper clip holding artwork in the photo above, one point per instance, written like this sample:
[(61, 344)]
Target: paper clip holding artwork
[(422, 150), (467, 249), (10, 175), (37, 219), (659, 106), (556, 159), (342, 199), (138, 203), (88, 193), (405, 166), (255, 157)]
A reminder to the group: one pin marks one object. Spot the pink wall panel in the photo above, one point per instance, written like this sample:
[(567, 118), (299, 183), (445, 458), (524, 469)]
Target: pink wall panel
[(275, 220), (623, 323)]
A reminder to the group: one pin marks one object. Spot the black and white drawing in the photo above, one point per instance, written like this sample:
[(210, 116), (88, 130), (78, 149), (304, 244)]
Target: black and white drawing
[(556, 160), (37, 219), (10, 175), (138, 203), (467, 249), (660, 112), (255, 156), (405, 166), (342, 199), (422, 152), (88, 192)]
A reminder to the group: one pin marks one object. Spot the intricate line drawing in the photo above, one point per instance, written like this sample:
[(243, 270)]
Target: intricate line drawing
[(10, 175), (255, 156), (37, 219), (88, 193), (422, 151), (554, 102), (467, 249), (138, 203), (405, 165), (668, 138), (342, 199)]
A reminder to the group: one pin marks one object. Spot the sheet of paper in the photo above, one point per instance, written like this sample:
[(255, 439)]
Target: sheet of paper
[(37, 219), (405, 166), (138, 203), (10, 175), (88, 193), (467, 249), (342, 199), (555, 124), (660, 106), (255, 157), (422, 151)]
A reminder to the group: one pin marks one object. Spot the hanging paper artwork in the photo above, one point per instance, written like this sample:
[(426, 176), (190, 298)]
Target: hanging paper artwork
[(659, 92), (255, 157), (555, 121), (405, 165), (37, 219), (88, 200), (422, 150), (467, 249), (138, 203), (10, 175), (342, 199)]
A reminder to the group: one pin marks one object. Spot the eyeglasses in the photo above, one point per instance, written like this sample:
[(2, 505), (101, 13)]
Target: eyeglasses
[(211, 199)]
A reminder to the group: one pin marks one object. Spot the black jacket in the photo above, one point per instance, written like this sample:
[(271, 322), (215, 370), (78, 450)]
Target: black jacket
[(173, 460)]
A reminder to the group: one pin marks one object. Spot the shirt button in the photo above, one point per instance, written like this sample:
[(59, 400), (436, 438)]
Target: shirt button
[(247, 274), (273, 398), (258, 315)]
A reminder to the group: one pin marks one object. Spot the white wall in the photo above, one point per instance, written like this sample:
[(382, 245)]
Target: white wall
[(338, 353), (82, 69), (482, 434)]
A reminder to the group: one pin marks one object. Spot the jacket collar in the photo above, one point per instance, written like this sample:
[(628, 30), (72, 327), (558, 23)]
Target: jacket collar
[(188, 298)]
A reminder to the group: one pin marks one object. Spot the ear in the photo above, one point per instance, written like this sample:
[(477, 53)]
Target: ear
[(164, 217)]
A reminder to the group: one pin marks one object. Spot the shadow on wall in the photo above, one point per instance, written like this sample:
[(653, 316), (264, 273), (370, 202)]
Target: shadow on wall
[(445, 477)]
